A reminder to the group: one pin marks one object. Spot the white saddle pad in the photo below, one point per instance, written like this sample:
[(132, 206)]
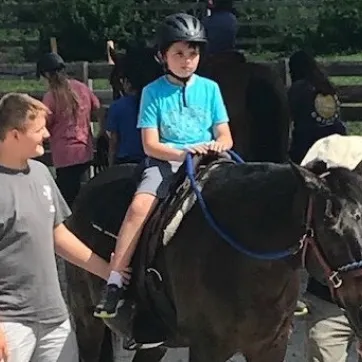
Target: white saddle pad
[(336, 151)]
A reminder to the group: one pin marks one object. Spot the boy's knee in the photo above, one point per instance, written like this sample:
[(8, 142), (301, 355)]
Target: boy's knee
[(141, 206)]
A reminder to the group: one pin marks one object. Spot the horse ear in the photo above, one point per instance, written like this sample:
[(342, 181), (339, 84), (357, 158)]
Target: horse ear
[(311, 179)]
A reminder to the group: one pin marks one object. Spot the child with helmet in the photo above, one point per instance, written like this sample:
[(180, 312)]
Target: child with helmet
[(72, 105), (180, 112)]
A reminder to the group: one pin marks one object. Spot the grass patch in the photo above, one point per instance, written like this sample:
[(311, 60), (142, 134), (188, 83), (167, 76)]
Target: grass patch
[(29, 85), (354, 128)]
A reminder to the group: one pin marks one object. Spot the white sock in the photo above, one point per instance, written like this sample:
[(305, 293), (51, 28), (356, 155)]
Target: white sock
[(115, 278)]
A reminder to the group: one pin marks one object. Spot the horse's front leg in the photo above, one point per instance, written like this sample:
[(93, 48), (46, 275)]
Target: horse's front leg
[(275, 352)]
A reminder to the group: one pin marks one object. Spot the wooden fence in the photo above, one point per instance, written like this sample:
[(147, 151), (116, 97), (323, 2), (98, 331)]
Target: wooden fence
[(350, 95), (85, 71)]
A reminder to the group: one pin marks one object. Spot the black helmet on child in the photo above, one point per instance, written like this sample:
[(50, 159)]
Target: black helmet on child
[(49, 62), (180, 27)]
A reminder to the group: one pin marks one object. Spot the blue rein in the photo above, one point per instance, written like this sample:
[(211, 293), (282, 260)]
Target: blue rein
[(210, 219)]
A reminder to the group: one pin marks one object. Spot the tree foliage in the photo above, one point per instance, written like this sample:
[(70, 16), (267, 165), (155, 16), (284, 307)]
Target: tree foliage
[(82, 27)]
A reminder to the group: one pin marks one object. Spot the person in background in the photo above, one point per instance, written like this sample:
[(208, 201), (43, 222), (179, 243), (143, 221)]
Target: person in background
[(315, 111), (314, 105), (125, 143), (221, 27), (72, 106)]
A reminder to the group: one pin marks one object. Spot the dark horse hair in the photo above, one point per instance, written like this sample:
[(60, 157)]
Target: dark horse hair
[(341, 180), (304, 67), (138, 66)]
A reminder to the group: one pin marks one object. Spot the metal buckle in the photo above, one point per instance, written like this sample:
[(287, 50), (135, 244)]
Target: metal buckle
[(299, 247), (335, 280), (309, 233)]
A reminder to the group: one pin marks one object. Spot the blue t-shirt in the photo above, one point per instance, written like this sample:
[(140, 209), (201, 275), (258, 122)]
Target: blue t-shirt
[(122, 119), (181, 126)]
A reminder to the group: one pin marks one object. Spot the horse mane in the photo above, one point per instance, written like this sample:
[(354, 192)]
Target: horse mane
[(245, 185), (345, 183), (341, 180), (138, 64)]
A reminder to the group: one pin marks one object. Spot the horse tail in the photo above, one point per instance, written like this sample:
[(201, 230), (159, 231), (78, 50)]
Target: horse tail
[(266, 102)]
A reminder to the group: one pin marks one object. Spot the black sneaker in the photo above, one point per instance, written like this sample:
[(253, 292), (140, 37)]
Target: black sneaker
[(112, 299), (301, 309)]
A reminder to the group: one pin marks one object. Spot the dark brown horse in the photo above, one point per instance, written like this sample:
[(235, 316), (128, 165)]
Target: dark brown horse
[(256, 102), (234, 296)]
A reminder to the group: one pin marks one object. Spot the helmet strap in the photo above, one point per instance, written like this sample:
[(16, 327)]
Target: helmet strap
[(183, 80)]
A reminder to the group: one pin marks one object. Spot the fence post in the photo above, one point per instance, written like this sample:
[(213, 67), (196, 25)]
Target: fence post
[(110, 45), (90, 86), (53, 45), (288, 80), (85, 72), (283, 69)]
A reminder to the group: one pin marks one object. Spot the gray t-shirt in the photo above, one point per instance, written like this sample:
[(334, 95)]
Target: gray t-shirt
[(31, 206)]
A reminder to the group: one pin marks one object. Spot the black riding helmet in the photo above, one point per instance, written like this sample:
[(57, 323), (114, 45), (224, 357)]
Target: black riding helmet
[(180, 27), (49, 62)]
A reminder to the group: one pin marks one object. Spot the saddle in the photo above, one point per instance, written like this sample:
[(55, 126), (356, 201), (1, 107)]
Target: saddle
[(156, 315)]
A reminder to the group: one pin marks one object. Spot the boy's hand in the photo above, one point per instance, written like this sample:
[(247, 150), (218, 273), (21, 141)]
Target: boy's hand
[(199, 149), (218, 147)]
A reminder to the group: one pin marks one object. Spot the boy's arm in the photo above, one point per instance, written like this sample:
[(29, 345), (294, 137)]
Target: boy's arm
[(154, 148), (70, 248), (66, 244), (148, 120), (222, 133)]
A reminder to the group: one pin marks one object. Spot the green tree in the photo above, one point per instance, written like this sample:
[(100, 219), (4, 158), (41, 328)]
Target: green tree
[(82, 27), (339, 27)]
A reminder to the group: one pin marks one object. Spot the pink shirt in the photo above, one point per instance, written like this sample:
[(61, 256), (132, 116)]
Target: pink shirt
[(71, 140)]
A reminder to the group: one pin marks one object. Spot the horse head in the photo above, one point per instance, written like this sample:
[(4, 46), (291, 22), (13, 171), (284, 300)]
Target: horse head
[(334, 239)]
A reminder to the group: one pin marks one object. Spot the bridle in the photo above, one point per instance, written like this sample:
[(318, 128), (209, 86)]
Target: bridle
[(334, 277)]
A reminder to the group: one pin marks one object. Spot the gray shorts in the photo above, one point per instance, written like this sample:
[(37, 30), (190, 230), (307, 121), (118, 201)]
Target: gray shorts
[(157, 177)]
